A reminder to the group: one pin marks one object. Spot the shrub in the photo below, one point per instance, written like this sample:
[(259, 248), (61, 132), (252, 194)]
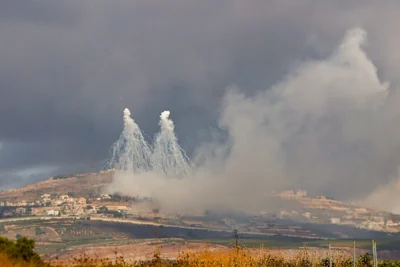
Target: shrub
[(20, 250), (102, 209), (59, 177), (386, 263), (5, 261), (365, 260), (20, 253)]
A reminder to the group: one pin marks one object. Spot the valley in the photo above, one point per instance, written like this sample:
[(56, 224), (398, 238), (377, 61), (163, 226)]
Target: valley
[(73, 215)]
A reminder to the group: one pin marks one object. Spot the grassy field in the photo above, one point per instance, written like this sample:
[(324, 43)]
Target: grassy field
[(277, 243), (235, 257), (78, 233)]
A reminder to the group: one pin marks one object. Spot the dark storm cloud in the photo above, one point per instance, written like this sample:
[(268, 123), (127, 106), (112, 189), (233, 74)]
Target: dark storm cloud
[(68, 69)]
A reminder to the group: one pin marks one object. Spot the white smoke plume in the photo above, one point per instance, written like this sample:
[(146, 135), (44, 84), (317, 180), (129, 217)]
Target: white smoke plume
[(168, 157), (131, 152), (385, 197), (327, 122)]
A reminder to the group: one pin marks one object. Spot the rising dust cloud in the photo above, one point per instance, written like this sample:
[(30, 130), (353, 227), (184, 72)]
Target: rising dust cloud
[(329, 127)]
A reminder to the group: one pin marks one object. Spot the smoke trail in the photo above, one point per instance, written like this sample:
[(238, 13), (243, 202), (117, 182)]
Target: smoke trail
[(131, 152), (168, 157)]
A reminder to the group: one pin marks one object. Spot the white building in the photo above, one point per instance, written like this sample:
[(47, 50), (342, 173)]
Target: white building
[(379, 219), (52, 212), (22, 203), (58, 202), (301, 193), (63, 197), (390, 223)]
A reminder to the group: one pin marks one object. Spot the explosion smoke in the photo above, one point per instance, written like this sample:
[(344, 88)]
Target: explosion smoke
[(168, 157), (132, 153), (329, 121)]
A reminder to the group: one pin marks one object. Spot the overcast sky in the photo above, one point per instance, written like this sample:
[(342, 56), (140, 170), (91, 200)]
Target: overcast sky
[(69, 68)]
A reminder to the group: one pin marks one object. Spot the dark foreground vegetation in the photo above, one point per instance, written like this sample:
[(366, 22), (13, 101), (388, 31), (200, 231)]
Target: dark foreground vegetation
[(22, 253)]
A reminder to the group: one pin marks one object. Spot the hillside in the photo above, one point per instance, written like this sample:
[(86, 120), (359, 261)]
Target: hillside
[(80, 194), (83, 185)]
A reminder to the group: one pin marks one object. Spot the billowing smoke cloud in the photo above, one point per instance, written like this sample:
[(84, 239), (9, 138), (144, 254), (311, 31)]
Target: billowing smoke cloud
[(67, 70), (329, 127), (385, 197)]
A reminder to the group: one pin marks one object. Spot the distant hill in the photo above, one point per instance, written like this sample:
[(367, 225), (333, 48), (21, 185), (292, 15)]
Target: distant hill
[(83, 185), (293, 206)]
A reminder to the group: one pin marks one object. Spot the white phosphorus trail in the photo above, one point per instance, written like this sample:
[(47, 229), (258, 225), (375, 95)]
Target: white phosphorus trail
[(132, 153), (168, 157)]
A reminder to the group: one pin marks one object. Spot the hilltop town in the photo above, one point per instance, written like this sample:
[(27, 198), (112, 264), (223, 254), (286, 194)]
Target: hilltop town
[(66, 205), (56, 197), (330, 211)]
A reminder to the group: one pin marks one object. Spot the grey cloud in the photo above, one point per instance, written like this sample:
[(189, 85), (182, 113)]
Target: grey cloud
[(67, 70)]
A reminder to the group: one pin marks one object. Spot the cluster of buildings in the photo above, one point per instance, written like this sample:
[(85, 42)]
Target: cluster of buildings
[(369, 222), (61, 205), (328, 211), (319, 210)]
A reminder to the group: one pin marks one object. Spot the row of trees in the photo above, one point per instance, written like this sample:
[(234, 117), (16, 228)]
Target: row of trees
[(116, 214)]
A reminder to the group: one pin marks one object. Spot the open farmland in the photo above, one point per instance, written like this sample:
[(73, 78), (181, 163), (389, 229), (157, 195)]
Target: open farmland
[(62, 237)]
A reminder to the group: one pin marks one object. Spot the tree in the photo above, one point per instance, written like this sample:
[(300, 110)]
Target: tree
[(365, 260), (71, 194), (22, 249), (103, 209), (118, 214)]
